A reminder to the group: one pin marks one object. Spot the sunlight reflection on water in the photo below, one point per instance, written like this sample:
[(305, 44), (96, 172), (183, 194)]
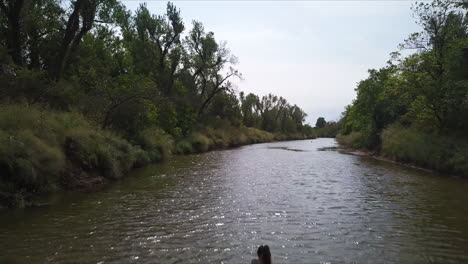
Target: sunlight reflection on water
[(311, 205)]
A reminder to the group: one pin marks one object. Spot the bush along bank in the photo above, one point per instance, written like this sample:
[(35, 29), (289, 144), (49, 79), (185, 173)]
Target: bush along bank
[(42, 151), (413, 147), (132, 88)]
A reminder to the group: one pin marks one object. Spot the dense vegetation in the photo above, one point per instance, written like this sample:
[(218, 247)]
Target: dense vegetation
[(416, 108), (90, 89), (326, 129)]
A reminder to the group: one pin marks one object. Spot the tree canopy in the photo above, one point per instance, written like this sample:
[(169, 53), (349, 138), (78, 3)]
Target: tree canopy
[(426, 90), (128, 70)]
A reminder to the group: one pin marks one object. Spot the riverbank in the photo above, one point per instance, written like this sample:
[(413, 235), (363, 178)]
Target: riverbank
[(43, 151), (202, 203), (375, 155), (413, 148)]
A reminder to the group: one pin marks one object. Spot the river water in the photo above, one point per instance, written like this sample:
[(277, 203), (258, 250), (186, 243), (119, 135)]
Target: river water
[(308, 204)]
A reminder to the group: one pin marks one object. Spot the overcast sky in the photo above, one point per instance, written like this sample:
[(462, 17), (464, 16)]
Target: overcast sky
[(310, 52)]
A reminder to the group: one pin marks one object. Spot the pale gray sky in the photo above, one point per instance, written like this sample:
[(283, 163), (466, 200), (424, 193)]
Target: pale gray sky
[(310, 52)]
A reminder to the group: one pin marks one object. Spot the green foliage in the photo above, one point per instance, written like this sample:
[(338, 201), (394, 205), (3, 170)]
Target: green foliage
[(183, 147), (380, 101), (90, 90), (130, 70), (409, 145), (30, 154), (320, 122), (352, 140), (428, 150), (157, 142), (255, 135), (200, 142), (329, 130), (426, 91), (272, 113), (142, 158), (228, 136), (226, 107), (310, 132), (100, 150), (38, 146), (459, 161)]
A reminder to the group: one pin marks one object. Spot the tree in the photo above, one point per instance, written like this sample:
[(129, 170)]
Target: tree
[(80, 21), (208, 60), (128, 71), (160, 35), (12, 11), (320, 122), (250, 110), (443, 29), (427, 90)]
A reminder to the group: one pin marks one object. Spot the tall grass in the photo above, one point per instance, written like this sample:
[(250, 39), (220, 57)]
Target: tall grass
[(209, 138), (183, 147), (39, 148), (353, 140), (42, 150), (446, 154), (156, 142)]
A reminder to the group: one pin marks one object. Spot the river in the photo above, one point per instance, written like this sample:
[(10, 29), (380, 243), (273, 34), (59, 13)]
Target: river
[(308, 204)]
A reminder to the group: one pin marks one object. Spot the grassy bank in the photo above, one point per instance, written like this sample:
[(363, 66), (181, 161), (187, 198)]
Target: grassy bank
[(42, 151), (408, 145)]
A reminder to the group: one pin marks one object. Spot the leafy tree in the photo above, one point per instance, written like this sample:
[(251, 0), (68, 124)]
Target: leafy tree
[(11, 10), (426, 90), (127, 71), (320, 122), (208, 60)]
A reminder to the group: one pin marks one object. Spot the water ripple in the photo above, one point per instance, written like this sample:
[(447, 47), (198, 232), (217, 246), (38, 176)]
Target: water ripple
[(315, 205)]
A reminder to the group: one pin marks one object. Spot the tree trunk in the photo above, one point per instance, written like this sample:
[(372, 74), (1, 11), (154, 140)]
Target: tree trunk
[(86, 10), (13, 13), (73, 25)]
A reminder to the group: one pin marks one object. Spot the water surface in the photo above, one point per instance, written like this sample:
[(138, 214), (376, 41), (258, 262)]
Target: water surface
[(310, 205)]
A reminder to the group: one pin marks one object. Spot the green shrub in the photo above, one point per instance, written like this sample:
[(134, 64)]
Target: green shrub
[(221, 138), (142, 158), (459, 161), (109, 154), (30, 154), (44, 153), (428, 150), (152, 139), (235, 138), (256, 135), (200, 142), (353, 140), (38, 145), (155, 155), (183, 147), (25, 174), (408, 145)]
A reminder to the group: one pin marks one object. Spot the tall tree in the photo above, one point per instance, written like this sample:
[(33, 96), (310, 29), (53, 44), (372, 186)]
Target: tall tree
[(11, 9), (163, 32), (443, 28), (209, 60), (320, 122)]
